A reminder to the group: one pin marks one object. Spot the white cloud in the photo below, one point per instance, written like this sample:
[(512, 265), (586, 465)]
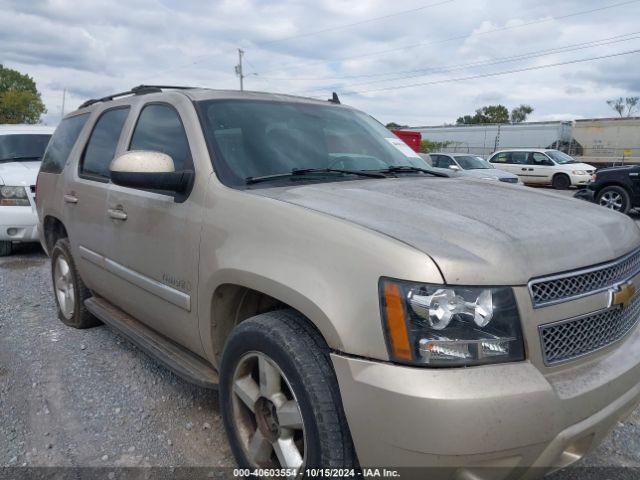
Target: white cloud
[(100, 47)]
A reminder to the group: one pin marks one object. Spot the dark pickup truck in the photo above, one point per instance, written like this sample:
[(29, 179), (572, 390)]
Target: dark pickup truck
[(617, 188)]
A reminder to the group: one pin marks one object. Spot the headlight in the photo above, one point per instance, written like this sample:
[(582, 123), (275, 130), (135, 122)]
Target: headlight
[(438, 325), (13, 197), (578, 172)]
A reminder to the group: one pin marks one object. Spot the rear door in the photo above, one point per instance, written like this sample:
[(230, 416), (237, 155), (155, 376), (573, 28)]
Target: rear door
[(503, 161), (153, 238), (85, 192)]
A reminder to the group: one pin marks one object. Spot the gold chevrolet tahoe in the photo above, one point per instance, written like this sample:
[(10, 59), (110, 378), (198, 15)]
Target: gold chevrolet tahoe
[(353, 307)]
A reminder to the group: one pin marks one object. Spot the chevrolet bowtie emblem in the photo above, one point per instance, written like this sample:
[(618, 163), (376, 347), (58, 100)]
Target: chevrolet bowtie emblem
[(621, 294)]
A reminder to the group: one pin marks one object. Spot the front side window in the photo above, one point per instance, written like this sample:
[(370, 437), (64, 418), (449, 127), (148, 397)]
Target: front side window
[(159, 129), (560, 157), (539, 159), (22, 147), (261, 138), (64, 138), (103, 142)]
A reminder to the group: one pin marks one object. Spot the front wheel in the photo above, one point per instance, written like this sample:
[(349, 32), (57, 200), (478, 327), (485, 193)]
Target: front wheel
[(279, 396), (561, 181), (615, 198)]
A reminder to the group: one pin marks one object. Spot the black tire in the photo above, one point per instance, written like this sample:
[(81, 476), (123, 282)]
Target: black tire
[(80, 317), (561, 181), (6, 248), (607, 195), (303, 357)]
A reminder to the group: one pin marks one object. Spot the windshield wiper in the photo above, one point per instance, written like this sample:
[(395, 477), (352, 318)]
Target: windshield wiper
[(304, 171), (411, 169)]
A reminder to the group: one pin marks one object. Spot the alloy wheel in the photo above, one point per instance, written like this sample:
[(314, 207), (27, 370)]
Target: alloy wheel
[(267, 414), (63, 285), (612, 200)]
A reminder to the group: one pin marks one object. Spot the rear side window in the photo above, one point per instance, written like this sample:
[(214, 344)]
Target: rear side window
[(63, 140), (519, 157), (101, 147), (159, 129), (504, 157)]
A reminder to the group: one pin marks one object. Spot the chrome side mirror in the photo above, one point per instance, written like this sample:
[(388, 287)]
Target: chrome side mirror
[(149, 170)]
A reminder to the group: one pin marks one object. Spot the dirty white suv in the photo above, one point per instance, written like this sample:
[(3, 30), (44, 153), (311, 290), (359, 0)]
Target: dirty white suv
[(352, 308), (21, 149)]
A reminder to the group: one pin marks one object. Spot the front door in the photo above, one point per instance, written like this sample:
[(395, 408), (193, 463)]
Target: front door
[(153, 244), (540, 168)]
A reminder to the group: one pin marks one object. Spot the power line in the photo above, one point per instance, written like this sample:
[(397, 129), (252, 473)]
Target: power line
[(446, 68), (348, 25), (497, 61), (458, 37), (493, 74), (200, 58)]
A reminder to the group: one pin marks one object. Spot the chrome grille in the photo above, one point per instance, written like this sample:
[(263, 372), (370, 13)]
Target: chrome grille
[(562, 287), (568, 339)]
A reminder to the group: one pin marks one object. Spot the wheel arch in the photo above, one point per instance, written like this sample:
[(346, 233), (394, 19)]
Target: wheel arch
[(243, 295), (53, 229)]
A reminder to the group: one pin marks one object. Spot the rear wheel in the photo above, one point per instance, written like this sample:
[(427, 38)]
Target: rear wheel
[(70, 291), (615, 198), (5, 248), (561, 181), (279, 396)]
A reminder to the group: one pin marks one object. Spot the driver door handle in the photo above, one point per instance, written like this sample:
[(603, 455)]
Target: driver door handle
[(117, 214), (70, 199)]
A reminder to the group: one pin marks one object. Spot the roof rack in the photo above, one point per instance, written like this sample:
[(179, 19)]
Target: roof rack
[(139, 90)]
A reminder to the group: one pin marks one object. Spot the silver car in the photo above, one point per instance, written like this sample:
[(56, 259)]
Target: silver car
[(471, 166)]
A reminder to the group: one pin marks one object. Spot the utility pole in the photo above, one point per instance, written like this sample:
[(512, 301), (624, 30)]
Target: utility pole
[(239, 72), (64, 96)]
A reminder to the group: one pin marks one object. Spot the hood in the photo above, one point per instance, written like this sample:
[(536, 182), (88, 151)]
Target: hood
[(577, 166), (477, 232), (19, 173), (488, 173)]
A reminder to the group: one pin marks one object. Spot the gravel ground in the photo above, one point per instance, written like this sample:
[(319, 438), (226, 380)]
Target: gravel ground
[(73, 398), (88, 397)]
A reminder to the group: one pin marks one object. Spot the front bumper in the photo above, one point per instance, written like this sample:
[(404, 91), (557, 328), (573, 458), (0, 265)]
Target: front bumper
[(18, 224), (508, 417), (580, 180)]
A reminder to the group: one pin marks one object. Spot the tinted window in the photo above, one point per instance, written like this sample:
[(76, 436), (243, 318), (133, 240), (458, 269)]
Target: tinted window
[(62, 142), (260, 138), (538, 159), (503, 157), (102, 144), (519, 157), (159, 129), (22, 147), (472, 162)]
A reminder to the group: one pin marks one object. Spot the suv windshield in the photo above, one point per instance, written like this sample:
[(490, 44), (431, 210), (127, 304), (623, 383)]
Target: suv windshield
[(22, 147), (471, 162), (256, 138), (560, 157)]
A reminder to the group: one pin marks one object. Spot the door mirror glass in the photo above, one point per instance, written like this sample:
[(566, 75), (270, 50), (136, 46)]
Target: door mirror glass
[(149, 171)]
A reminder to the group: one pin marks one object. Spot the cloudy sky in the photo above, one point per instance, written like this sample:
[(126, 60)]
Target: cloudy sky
[(401, 61)]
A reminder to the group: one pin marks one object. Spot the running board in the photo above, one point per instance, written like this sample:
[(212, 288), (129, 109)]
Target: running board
[(176, 358)]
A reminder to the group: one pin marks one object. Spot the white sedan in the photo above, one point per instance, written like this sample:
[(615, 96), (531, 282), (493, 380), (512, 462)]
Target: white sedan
[(21, 150)]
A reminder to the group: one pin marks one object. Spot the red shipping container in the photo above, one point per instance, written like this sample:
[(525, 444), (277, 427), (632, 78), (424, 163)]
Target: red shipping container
[(412, 139)]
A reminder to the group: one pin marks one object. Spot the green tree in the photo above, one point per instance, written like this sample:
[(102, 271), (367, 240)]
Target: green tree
[(488, 114), (427, 146), (20, 101), (520, 114), (394, 126)]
